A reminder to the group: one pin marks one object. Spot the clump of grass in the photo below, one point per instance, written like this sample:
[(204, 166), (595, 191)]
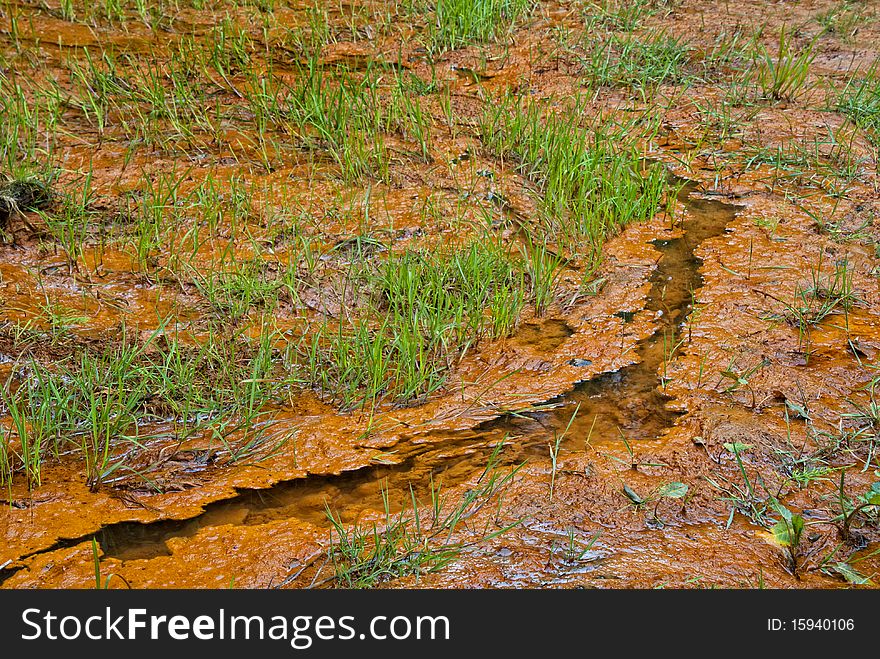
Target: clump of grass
[(419, 312), (407, 115), (826, 161), (543, 267), (413, 542), (342, 116), (105, 408), (638, 62), (31, 423), (233, 291), (591, 182), (860, 101), (68, 221), (866, 416), (744, 497), (155, 211), (104, 402), (615, 14), (865, 506), (824, 295), (311, 37), (457, 23), (844, 19), (783, 74), (21, 195), (29, 117)]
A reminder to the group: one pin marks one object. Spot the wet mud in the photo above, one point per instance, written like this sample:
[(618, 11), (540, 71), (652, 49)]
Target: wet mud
[(681, 361), (629, 402)]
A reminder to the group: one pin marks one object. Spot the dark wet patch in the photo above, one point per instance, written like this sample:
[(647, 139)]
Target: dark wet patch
[(19, 196), (546, 336), (358, 246), (7, 571)]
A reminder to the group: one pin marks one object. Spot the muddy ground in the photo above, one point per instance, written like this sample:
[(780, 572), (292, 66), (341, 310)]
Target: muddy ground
[(651, 427)]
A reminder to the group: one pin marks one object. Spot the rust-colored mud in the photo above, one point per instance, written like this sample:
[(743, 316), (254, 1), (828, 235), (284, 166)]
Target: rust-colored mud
[(684, 347)]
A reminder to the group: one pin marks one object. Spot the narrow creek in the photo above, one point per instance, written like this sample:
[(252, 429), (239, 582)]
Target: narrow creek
[(628, 402)]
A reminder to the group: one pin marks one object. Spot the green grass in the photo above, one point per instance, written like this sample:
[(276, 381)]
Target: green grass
[(407, 115), (106, 408), (827, 161), (824, 295), (642, 62), (233, 291), (20, 195), (866, 419), (543, 268), (30, 116), (32, 425), (7, 457), (69, 221), (420, 539), (225, 79), (308, 39), (591, 181), (416, 314), (845, 19), (813, 303), (860, 101), (615, 14), (865, 507), (456, 23), (783, 74), (343, 117)]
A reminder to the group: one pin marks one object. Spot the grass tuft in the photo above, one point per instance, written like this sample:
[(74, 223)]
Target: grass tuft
[(591, 182), (458, 23), (860, 101), (413, 542)]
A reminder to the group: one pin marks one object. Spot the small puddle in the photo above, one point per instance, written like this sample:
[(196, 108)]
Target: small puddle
[(629, 402), (546, 336)]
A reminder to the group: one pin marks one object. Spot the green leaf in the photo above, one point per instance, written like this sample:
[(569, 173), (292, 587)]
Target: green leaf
[(784, 512), (852, 575), (787, 532), (737, 447), (782, 534), (673, 490), (632, 496)]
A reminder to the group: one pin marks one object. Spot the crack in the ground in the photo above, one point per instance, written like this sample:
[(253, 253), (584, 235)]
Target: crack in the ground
[(630, 396)]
